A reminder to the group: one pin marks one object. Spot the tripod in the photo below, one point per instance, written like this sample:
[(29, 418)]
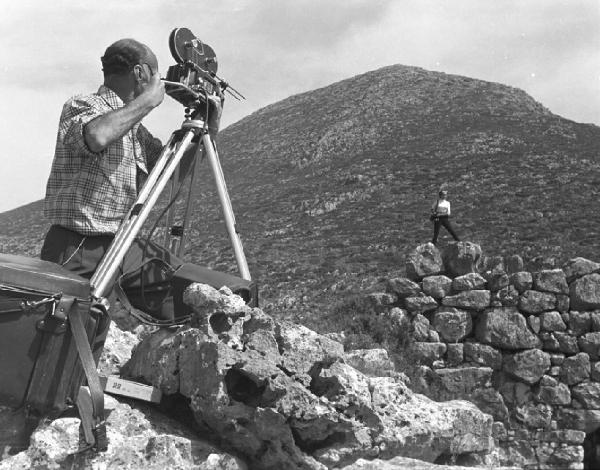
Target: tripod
[(166, 167)]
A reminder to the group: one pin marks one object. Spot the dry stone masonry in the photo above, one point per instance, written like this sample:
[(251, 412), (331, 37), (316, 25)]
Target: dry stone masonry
[(523, 346)]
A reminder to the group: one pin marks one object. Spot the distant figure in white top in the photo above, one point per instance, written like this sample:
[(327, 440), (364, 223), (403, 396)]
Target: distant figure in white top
[(440, 214)]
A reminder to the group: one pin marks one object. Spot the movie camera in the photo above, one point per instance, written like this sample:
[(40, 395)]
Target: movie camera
[(194, 78)]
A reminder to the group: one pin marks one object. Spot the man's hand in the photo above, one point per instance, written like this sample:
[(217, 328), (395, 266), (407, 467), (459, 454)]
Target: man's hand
[(215, 109), (154, 91)]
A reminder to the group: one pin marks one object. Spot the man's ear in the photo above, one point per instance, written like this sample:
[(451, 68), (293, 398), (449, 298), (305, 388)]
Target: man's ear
[(138, 72)]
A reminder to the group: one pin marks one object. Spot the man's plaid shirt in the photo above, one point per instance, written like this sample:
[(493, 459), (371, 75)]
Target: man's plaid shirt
[(89, 192)]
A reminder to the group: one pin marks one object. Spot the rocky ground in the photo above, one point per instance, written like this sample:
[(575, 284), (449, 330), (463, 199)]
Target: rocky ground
[(242, 390)]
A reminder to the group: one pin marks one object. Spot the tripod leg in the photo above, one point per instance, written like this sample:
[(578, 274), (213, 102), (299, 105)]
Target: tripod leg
[(131, 225), (191, 199), (170, 213), (215, 165)]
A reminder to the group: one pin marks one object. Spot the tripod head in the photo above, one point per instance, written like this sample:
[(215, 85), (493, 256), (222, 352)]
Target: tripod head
[(194, 78)]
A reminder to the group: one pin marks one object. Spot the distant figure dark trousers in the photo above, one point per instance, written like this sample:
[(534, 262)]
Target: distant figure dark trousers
[(445, 221)]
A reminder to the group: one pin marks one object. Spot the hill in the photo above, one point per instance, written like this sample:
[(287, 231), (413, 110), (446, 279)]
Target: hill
[(331, 187)]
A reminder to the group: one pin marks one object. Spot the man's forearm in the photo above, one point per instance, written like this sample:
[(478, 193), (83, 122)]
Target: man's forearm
[(106, 129)]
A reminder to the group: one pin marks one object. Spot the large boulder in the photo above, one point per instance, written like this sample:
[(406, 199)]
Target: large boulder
[(469, 281), (551, 280), (138, 438), (293, 402), (403, 287), (461, 258), (579, 267), (528, 366), (425, 260), (437, 286), (575, 369), (453, 325), (469, 299), (505, 328), (532, 301), (585, 292)]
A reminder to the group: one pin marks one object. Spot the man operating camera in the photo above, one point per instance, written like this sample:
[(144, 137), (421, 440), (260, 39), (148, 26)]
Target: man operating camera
[(103, 155)]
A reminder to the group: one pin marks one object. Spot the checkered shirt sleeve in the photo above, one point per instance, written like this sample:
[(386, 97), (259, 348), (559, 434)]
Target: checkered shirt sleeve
[(91, 192)]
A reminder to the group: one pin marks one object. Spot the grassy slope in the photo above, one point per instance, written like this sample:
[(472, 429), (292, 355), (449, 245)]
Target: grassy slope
[(331, 188)]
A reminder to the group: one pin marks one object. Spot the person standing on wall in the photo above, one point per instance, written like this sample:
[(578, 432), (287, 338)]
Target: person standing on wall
[(440, 215)]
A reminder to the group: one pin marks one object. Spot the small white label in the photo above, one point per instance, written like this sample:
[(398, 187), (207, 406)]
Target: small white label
[(131, 389)]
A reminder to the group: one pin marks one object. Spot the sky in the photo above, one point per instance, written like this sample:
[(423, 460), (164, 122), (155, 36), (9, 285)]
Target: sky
[(271, 49)]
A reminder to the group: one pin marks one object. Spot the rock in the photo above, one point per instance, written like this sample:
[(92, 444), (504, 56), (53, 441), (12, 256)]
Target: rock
[(420, 328), (549, 341), (117, 350), (406, 433), (595, 371), (566, 343), (420, 305), (585, 292), (497, 280), (534, 302), (590, 343), (553, 392), (471, 300), (454, 354), (469, 281), (403, 287), (399, 318), (522, 281), (461, 258), (557, 359), (579, 322), (575, 369), (563, 303), (566, 436), (377, 302), (514, 393), (552, 321), (434, 337), (138, 438), (492, 263), (583, 420), (483, 355), (553, 455), (206, 301), (579, 267), (551, 280), (302, 348), (514, 264), (371, 362), (534, 415), (588, 394), (404, 463), (437, 286), (594, 320), (509, 296), (462, 382), (427, 353), (453, 325), (425, 260), (519, 453), (505, 328), (490, 401), (535, 323), (529, 365), (303, 407)]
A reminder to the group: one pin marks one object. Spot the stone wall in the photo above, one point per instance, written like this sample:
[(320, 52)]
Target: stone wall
[(524, 346)]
